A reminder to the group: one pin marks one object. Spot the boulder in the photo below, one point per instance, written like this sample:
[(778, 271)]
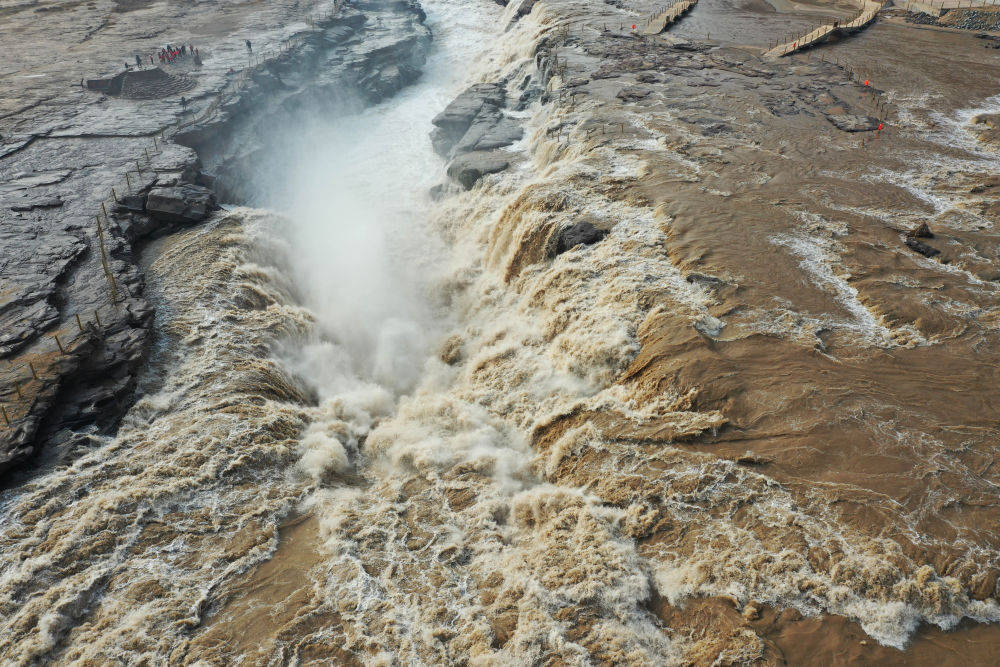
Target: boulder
[(181, 203), (922, 248), (136, 227), (632, 93), (470, 167), (579, 233), (451, 124), (131, 203), (921, 232)]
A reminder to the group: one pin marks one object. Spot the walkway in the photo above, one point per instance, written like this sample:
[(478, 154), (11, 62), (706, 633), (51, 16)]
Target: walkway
[(867, 15), (660, 22), (939, 7)]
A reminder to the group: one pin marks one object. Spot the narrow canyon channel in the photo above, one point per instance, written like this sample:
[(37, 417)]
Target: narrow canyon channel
[(511, 335)]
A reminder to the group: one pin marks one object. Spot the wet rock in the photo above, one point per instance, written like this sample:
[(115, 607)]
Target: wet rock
[(714, 129), (131, 204), (46, 202), (136, 227), (750, 459), (632, 93), (708, 282), (583, 232), (480, 102), (183, 203), (470, 167), (524, 8), (853, 123), (686, 45), (493, 132), (920, 247)]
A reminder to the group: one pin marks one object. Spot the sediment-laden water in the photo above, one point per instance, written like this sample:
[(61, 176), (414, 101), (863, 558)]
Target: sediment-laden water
[(383, 429)]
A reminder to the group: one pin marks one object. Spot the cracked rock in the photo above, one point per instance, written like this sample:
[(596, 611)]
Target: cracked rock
[(184, 203)]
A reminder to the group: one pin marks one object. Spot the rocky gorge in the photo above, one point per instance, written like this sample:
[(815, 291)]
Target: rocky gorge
[(485, 333), (56, 172)]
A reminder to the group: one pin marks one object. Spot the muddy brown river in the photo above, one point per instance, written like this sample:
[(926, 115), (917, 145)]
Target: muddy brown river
[(754, 420)]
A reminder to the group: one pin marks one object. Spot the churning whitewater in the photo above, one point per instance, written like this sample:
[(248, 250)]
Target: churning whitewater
[(381, 426)]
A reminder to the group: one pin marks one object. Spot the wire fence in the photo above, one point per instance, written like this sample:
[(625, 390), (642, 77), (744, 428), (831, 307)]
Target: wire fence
[(47, 349), (949, 4)]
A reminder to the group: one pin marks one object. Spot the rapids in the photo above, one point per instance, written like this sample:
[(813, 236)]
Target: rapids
[(385, 429)]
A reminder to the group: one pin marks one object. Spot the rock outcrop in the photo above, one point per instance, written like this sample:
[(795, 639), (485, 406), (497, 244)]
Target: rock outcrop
[(471, 129), (181, 203), (470, 167), (579, 233), (71, 341), (368, 52), (478, 105)]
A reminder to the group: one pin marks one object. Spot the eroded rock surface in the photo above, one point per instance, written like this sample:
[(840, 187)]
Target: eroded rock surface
[(181, 203), (72, 339), (471, 129), (470, 167)]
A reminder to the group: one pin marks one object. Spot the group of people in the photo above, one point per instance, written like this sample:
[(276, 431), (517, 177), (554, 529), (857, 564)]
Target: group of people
[(172, 53), (168, 55)]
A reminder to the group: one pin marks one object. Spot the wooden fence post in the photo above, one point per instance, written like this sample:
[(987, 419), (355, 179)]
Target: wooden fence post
[(104, 262)]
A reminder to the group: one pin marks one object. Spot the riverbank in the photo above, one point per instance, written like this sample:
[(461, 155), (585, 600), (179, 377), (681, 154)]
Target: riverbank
[(76, 325), (665, 368)]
